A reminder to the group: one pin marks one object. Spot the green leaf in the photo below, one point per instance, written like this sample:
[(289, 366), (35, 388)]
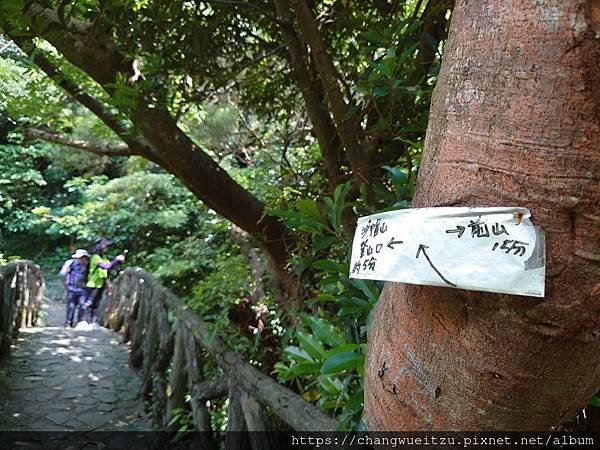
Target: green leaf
[(325, 332), (309, 208), (328, 265), (355, 301), (397, 175), (344, 348), (383, 193), (340, 362), (283, 372), (330, 385), (336, 206), (310, 345), (304, 369), (297, 354), (381, 90), (330, 280), (356, 400), (341, 190), (351, 112), (368, 287), (373, 36), (355, 305), (175, 418), (388, 66), (331, 212), (322, 242), (325, 298), (594, 401), (299, 220)]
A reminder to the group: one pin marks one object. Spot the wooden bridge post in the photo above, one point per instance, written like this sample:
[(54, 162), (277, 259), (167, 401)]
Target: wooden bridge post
[(21, 292), (164, 332), (236, 438), (257, 421), (178, 379)]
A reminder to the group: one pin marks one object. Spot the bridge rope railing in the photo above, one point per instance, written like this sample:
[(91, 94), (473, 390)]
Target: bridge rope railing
[(167, 337), (21, 293)]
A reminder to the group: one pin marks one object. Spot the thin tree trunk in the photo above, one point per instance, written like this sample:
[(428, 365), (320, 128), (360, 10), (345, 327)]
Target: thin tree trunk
[(327, 137), (348, 128), (324, 130), (514, 122)]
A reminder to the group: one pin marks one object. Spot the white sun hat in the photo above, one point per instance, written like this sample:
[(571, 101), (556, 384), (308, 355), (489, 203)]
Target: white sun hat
[(79, 253)]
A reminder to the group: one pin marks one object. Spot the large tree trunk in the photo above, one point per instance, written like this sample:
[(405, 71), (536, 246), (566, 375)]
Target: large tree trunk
[(515, 121)]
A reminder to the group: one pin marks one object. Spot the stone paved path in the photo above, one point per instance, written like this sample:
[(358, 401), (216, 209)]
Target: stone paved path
[(65, 379)]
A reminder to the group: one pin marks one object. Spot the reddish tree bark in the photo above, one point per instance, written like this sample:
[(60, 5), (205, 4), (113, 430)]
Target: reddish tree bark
[(515, 121)]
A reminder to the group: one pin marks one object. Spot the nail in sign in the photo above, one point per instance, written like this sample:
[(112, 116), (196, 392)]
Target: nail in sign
[(481, 249)]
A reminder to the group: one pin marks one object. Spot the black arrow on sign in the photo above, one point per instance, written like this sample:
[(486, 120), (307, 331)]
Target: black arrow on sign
[(422, 249), (393, 242), (460, 230)]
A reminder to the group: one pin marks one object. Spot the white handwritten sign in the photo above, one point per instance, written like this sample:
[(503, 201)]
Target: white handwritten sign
[(482, 249)]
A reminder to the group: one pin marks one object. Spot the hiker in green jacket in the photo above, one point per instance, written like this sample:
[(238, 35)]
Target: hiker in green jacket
[(99, 266)]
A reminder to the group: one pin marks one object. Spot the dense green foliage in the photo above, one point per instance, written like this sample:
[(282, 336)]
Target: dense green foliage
[(223, 73)]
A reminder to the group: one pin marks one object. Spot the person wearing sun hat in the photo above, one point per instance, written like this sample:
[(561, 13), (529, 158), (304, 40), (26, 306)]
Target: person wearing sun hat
[(75, 272), (100, 264)]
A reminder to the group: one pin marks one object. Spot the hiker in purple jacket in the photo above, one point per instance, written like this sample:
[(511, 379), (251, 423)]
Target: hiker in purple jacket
[(75, 271)]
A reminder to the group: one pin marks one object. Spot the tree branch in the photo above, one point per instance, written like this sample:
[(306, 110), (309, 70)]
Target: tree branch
[(349, 129), (110, 119), (94, 52), (319, 117), (63, 139), (137, 145)]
